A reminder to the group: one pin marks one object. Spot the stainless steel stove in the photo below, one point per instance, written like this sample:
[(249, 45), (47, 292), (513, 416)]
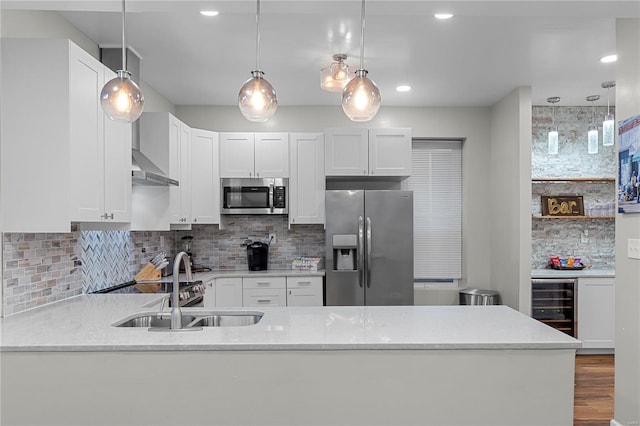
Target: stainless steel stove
[(191, 292)]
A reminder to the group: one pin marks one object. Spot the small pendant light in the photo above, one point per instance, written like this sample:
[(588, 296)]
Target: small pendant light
[(334, 77), (257, 98), (361, 96), (608, 137), (553, 130), (121, 98), (592, 135)]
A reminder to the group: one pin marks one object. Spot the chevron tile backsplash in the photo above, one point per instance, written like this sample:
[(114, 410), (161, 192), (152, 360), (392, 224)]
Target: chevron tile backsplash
[(105, 258)]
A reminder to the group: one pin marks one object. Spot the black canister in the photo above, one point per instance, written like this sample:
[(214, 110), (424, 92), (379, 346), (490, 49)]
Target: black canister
[(258, 256)]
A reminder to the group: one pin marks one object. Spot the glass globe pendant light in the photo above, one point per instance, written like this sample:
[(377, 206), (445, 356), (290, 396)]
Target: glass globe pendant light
[(361, 96), (553, 130), (257, 98), (608, 137), (121, 98), (592, 134), (334, 77)]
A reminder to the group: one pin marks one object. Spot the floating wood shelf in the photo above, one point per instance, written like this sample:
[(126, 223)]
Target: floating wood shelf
[(538, 216), (593, 179)]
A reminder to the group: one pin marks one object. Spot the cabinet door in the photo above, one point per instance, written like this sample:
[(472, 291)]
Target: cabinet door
[(390, 152), (307, 181), (596, 312), (254, 297), (117, 167), (236, 155), (174, 170), (228, 292), (346, 152), (185, 173), (179, 161), (205, 177), (210, 294), (86, 137), (271, 152), (304, 291)]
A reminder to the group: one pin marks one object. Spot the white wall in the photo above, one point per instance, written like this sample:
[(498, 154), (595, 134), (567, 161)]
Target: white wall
[(473, 125), (510, 216), (627, 371)]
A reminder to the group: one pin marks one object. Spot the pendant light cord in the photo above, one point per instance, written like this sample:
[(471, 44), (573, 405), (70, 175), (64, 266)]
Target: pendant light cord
[(124, 53), (362, 37), (258, 36)]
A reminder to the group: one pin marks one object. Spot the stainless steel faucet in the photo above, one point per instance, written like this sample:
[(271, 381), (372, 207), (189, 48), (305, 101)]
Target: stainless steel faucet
[(176, 312)]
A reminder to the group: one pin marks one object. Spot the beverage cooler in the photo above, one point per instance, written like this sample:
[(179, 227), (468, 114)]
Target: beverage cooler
[(553, 302)]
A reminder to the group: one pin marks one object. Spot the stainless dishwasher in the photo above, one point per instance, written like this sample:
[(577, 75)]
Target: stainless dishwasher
[(553, 302)]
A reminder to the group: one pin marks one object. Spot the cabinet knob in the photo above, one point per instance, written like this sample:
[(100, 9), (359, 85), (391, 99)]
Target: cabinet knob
[(195, 219)]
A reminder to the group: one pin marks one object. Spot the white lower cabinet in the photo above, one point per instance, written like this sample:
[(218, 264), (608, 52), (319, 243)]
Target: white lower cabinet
[(264, 291), (228, 292), (596, 312), (304, 291), (210, 294)]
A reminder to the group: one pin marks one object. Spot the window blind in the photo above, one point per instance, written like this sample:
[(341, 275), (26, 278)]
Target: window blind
[(436, 182)]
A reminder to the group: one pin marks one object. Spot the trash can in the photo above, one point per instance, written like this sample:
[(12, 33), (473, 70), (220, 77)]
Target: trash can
[(477, 296)]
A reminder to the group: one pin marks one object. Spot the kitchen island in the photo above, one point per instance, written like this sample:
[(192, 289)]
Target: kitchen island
[(456, 365)]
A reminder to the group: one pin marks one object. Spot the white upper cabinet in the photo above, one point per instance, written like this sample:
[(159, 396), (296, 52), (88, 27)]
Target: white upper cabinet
[(368, 152), (53, 121), (100, 148), (205, 177), (307, 182), (346, 152), (271, 155), (180, 164), (236, 155), (165, 141), (249, 155), (390, 152)]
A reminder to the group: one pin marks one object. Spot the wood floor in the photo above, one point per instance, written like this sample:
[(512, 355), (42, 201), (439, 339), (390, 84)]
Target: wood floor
[(593, 402)]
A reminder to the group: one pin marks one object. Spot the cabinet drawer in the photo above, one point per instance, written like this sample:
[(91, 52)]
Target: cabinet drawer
[(263, 282), (264, 297), (305, 282)]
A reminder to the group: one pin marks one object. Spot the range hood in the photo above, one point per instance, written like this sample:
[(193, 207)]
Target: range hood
[(143, 170)]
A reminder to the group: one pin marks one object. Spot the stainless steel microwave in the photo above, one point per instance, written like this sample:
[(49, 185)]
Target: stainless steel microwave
[(254, 196)]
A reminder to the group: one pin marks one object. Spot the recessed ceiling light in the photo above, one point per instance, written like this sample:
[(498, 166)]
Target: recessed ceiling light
[(403, 88), (443, 15), (209, 13), (608, 59)]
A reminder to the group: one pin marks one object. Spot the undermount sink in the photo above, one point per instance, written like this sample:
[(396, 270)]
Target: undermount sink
[(227, 319), (190, 321), (150, 320)]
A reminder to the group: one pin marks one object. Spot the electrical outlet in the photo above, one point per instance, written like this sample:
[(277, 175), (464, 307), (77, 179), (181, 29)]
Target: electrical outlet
[(272, 238), (633, 248), (584, 236)]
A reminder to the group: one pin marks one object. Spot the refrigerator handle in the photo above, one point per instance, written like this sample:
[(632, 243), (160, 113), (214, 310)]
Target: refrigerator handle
[(360, 251), (368, 262)]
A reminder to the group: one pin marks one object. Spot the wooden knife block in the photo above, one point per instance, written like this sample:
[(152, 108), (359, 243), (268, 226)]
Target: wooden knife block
[(148, 273)]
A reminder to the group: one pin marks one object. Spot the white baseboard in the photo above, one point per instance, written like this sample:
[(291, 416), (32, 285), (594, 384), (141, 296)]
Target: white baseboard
[(615, 423)]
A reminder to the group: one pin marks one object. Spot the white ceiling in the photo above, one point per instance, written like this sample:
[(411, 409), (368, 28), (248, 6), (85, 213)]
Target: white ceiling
[(487, 49)]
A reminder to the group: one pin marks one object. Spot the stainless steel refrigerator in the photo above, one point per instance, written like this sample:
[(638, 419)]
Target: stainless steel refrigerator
[(369, 247)]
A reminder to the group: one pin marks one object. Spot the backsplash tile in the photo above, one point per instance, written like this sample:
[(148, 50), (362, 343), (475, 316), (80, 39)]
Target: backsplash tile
[(44, 268), (564, 237), (223, 248), (39, 269)]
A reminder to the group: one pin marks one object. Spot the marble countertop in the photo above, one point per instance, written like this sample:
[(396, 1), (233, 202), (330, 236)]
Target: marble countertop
[(556, 273), (210, 275), (83, 323)]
